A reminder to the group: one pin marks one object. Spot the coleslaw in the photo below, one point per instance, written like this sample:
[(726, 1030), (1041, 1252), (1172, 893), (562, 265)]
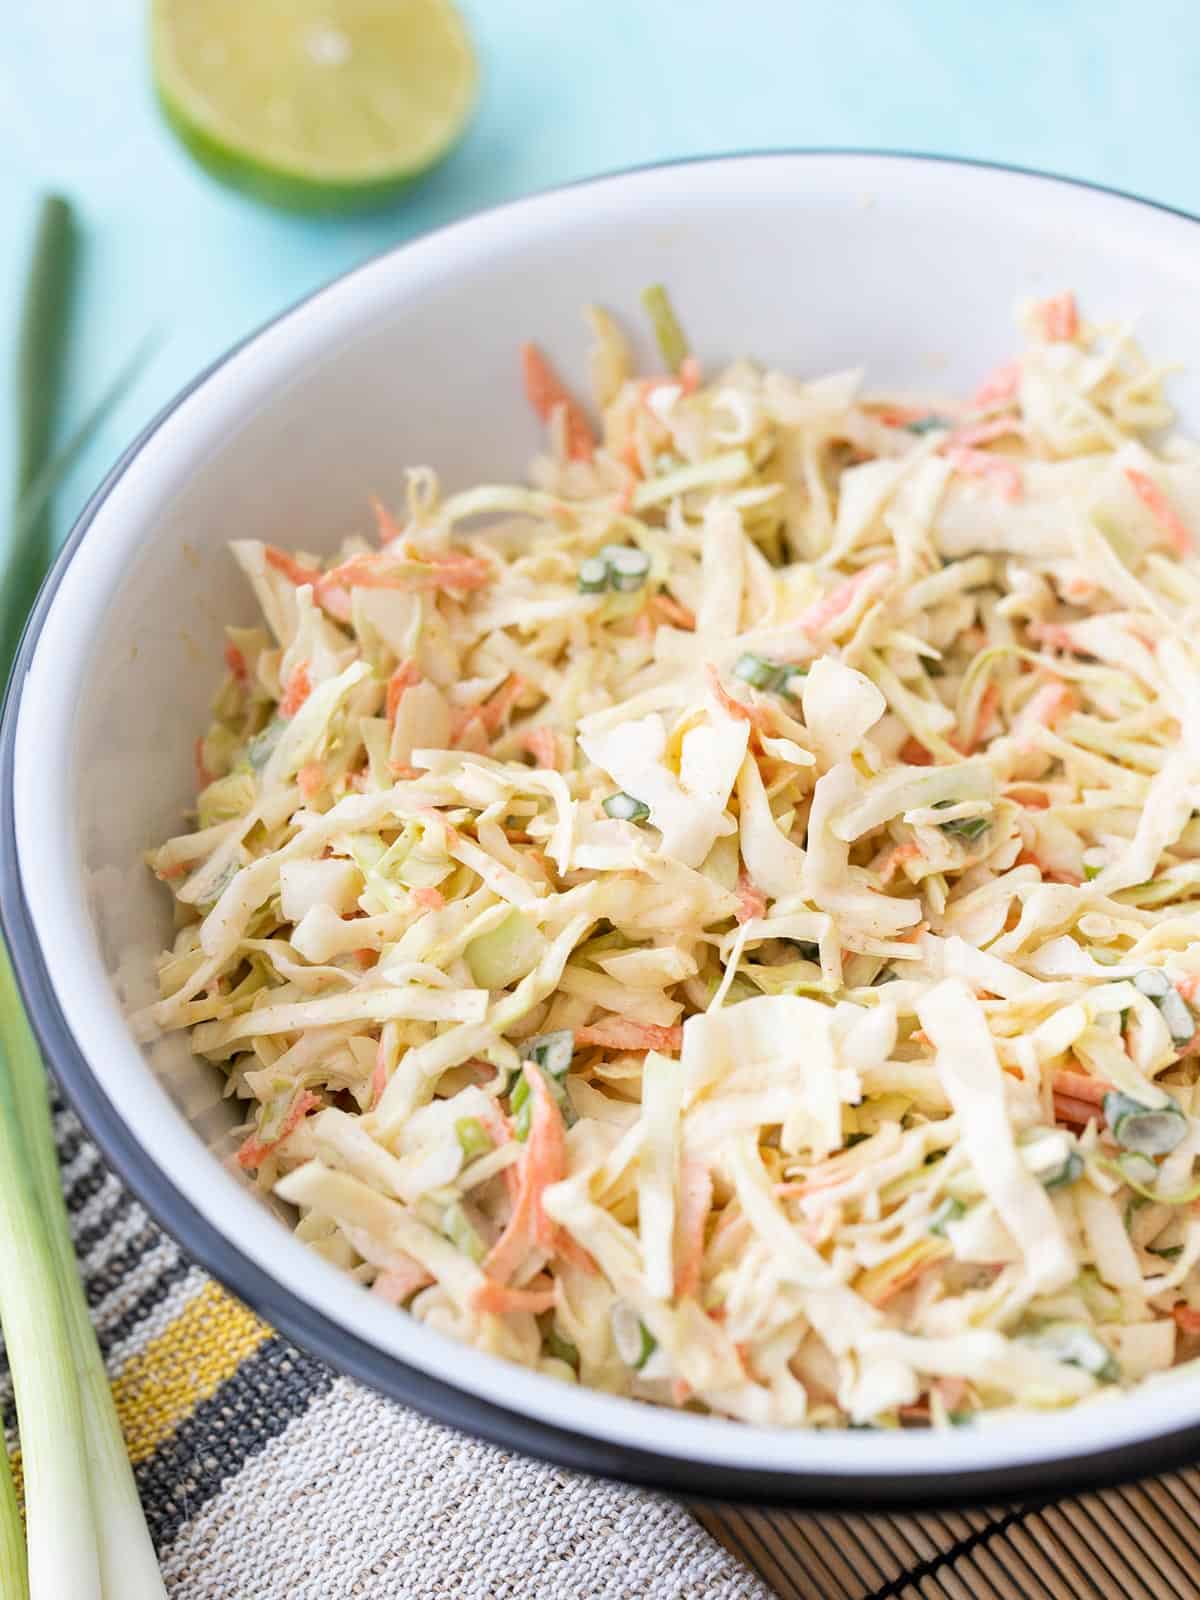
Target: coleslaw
[(720, 923)]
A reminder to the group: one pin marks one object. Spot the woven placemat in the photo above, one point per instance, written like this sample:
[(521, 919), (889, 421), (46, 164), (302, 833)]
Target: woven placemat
[(265, 1475)]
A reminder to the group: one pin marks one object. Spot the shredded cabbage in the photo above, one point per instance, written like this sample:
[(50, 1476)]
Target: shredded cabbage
[(721, 924)]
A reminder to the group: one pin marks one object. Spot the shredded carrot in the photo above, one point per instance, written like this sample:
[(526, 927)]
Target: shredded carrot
[(495, 711), (379, 1075), (1027, 858), (296, 691), (255, 1150), (898, 416), (467, 731), (1081, 1086), (896, 858), (1187, 988), (1006, 475), (1076, 1113), (1187, 1320), (978, 433), (689, 375), (498, 1125), (951, 1391), (542, 744), (758, 717), (680, 1390), (547, 393), (203, 776), (235, 661), (454, 570), (914, 754), (293, 570), (669, 609), (1046, 708), (572, 1252), (1161, 509), (1059, 317), (405, 676), (178, 871), (988, 701), (1025, 794), (429, 899), (543, 1163), (400, 769), (499, 1299), (397, 1283), (621, 1033), (1000, 385), (824, 611), (695, 1203), (311, 778), (905, 1280), (752, 902), (385, 524), (1057, 635)]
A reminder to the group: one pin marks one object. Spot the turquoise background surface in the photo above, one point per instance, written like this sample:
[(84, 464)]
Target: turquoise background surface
[(1108, 91)]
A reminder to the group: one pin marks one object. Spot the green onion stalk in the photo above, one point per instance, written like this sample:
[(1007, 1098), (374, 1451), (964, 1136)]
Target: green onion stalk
[(85, 1534)]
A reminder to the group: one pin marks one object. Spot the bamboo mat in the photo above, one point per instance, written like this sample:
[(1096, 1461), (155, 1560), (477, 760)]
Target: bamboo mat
[(1139, 1542)]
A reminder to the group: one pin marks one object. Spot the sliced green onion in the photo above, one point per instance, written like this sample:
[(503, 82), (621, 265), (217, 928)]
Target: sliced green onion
[(1137, 1168), (473, 1138), (629, 569), (1145, 1194), (625, 808), (966, 828), (1177, 1015), (777, 677), (562, 1349), (261, 748), (1069, 1172), (520, 1108), (553, 1052), (1077, 1346), (1153, 983), (950, 1210), (672, 340), (929, 424), (1090, 872), (457, 1227), (593, 576), (634, 1341), (1147, 1131), (1169, 1252), (755, 670)]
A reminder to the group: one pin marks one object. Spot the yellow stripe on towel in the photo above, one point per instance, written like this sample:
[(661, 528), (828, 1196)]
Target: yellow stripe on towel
[(185, 1364)]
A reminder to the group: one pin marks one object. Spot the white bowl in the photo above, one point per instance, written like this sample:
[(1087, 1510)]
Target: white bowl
[(811, 262)]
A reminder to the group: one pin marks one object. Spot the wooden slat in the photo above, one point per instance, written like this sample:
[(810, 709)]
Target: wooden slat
[(1139, 1542)]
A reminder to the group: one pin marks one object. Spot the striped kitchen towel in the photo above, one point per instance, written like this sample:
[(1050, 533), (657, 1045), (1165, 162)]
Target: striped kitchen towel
[(265, 1475)]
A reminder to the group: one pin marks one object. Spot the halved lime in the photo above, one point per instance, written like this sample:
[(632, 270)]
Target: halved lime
[(321, 105)]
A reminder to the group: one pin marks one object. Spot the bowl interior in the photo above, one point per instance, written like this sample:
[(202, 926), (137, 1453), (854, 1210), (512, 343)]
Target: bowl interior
[(810, 264)]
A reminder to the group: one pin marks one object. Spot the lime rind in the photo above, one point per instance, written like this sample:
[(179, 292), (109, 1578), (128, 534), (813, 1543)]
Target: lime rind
[(302, 184)]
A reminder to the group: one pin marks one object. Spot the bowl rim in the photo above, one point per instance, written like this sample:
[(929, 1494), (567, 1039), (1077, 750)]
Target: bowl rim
[(903, 1486)]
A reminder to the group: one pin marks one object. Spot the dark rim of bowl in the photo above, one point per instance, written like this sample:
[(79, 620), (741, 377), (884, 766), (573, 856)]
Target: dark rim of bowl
[(356, 1357)]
